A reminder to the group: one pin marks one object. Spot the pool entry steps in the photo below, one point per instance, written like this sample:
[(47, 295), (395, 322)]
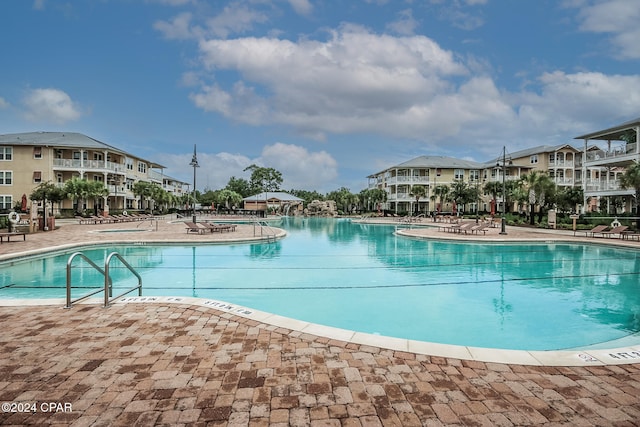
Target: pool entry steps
[(108, 284)]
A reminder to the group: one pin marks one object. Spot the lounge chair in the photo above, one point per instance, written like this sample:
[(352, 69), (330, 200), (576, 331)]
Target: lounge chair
[(476, 229), (630, 235), (595, 230), (192, 227), (615, 230)]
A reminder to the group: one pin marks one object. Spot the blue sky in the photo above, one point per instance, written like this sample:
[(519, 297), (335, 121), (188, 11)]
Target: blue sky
[(325, 91)]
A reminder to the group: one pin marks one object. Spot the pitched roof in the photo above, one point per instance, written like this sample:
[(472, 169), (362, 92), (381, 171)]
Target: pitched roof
[(529, 152), (279, 195), (63, 140)]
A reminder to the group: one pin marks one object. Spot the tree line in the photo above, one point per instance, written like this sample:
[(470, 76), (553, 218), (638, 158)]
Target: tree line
[(536, 190)]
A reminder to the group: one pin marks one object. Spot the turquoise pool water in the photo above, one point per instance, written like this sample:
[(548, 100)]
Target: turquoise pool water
[(364, 278)]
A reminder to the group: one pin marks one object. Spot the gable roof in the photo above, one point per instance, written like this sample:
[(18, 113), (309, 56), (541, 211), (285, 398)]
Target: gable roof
[(64, 140), (278, 195)]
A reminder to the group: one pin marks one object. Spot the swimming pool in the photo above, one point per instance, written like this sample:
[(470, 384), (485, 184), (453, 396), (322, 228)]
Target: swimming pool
[(364, 278)]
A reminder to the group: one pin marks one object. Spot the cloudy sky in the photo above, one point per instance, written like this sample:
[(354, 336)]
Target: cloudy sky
[(325, 91)]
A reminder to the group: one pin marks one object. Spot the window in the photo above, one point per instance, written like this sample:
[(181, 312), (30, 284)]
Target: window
[(458, 174), (59, 154), (6, 177), (97, 156), (533, 159), (129, 164), (474, 175), (6, 153), (142, 167), (37, 152), (99, 178), (6, 202), (37, 177), (76, 155)]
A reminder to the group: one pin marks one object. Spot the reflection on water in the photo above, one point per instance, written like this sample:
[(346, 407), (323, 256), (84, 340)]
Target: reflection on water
[(363, 277)]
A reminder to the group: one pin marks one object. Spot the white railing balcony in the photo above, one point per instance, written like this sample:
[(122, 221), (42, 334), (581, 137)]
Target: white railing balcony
[(622, 151), (563, 181), (603, 185), (76, 164)]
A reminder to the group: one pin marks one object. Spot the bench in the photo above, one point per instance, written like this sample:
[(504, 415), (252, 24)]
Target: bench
[(8, 236)]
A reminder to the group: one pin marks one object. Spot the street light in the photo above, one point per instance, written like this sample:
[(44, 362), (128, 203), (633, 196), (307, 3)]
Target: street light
[(194, 163), (503, 229)]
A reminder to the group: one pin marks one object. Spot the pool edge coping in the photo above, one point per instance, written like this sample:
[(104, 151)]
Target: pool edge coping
[(583, 358)]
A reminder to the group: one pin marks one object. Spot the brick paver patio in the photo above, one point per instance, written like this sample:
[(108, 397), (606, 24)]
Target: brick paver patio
[(175, 364)]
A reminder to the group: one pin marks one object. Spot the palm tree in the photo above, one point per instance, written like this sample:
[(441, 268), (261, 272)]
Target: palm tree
[(440, 192), (77, 190), (631, 179), (538, 185), (494, 188), (418, 191), (95, 190)]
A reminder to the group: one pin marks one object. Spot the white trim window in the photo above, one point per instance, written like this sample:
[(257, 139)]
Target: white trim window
[(6, 202), (533, 159), (37, 153), (6, 153), (458, 174), (142, 167), (6, 178), (37, 177)]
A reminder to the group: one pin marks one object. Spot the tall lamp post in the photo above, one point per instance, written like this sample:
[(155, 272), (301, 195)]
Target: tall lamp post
[(503, 222), (194, 163)]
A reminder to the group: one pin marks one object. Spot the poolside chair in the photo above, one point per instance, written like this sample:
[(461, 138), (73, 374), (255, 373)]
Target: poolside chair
[(192, 227), (615, 230), (463, 226), (595, 230), (476, 229)]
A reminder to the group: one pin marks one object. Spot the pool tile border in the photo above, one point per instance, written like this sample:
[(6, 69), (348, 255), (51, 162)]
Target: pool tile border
[(592, 357)]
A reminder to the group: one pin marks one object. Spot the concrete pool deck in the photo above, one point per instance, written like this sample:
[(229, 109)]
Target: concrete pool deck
[(184, 362)]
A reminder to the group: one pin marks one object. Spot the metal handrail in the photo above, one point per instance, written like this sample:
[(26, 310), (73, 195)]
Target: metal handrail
[(107, 280), (270, 232), (108, 283), (91, 263)]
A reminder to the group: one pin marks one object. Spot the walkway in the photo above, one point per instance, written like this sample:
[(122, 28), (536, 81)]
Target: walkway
[(174, 364)]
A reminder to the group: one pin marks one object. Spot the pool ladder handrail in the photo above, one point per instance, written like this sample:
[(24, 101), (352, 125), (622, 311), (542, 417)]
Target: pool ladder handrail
[(108, 283), (264, 226)]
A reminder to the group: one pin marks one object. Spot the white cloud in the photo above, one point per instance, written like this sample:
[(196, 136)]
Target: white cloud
[(50, 105), (302, 7), (619, 18), (179, 28), (300, 168), (234, 18), (405, 24), (357, 83), (345, 84), (3, 103)]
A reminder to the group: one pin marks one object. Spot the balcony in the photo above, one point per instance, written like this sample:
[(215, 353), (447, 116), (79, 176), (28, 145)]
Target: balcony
[(93, 165), (603, 185), (412, 180), (623, 153)]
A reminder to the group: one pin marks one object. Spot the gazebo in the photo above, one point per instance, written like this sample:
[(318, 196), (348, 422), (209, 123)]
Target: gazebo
[(286, 203)]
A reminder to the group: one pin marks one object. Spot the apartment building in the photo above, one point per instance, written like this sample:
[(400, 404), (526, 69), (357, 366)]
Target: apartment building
[(606, 155), (560, 162), (28, 159), (430, 171)]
